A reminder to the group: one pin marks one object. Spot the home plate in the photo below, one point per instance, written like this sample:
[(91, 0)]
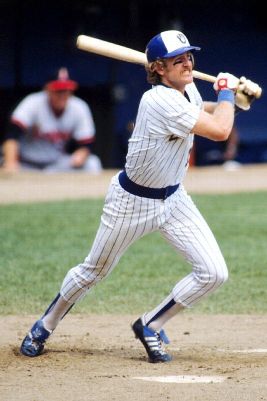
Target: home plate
[(183, 379)]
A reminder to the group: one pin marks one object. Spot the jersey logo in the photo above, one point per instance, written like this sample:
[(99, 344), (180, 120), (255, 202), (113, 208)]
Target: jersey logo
[(173, 138)]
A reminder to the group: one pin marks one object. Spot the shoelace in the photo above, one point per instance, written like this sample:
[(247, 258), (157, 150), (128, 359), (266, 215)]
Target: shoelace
[(160, 341), (155, 340)]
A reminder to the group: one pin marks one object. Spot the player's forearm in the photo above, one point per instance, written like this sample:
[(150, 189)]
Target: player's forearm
[(209, 107), (224, 117), (11, 155), (79, 157), (218, 125)]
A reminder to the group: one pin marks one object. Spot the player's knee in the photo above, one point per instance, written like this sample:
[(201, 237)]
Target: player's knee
[(88, 274), (213, 278), (80, 279), (220, 278)]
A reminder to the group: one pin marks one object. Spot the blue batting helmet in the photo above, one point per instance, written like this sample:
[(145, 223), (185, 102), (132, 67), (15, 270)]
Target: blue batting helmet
[(168, 44)]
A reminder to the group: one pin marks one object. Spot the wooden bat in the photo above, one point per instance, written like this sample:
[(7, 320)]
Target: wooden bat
[(112, 50)]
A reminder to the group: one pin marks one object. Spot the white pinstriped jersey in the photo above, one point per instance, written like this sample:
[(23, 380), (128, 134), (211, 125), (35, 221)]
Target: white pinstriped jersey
[(159, 147)]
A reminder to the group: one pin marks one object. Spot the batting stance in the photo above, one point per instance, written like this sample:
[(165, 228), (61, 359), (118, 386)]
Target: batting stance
[(148, 195)]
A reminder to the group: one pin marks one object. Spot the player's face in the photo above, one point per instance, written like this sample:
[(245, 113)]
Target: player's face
[(178, 71), (58, 100)]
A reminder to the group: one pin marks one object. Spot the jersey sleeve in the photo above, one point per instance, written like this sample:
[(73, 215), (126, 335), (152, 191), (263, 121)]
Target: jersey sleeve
[(23, 114), (14, 131), (84, 130)]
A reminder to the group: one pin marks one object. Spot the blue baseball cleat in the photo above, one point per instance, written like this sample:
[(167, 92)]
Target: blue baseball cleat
[(152, 341), (33, 343)]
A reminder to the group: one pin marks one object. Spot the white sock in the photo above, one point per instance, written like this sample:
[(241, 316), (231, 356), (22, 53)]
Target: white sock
[(156, 318)]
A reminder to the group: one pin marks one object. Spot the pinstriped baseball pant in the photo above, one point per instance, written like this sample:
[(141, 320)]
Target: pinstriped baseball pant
[(126, 218)]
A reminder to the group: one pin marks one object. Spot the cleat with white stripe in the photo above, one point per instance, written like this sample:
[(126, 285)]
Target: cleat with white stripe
[(33, 343), (152, 341)]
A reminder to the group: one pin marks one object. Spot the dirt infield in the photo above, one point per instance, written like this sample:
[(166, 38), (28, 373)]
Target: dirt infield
[(97, 358), (34, 187)]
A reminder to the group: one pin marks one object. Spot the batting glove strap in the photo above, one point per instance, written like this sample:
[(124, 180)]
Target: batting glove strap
[(226, 95), (237, 110)]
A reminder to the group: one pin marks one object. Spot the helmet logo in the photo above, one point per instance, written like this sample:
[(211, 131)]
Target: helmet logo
[(182, 38)]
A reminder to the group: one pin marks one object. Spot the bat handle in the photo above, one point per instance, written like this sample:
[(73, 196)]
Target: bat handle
[(203, 76)]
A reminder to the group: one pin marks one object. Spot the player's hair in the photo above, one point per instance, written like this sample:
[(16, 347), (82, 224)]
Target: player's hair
[(152, 76)]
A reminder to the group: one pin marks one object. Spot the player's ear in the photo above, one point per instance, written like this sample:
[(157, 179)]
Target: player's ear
[(159, 67), (192, 58)]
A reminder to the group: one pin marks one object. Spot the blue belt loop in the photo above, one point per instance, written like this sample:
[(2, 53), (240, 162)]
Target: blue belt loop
[(145, 192)]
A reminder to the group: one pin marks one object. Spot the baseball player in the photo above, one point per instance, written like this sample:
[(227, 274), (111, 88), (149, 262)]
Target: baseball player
[(149, 195), (51, 130)]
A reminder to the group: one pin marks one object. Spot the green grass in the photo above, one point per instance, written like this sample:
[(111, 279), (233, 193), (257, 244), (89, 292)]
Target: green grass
[(40, 242)]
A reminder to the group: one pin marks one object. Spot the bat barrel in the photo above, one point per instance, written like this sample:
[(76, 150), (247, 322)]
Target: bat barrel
[(109, 49)]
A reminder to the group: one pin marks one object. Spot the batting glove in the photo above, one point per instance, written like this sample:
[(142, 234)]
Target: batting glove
[(225, 80), (248, 87), (245, 94)]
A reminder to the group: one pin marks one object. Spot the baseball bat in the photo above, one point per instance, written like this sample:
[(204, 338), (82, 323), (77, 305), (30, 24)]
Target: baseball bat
[(118, 52)]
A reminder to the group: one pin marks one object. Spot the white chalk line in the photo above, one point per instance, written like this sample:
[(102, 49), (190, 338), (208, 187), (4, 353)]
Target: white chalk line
[(231, 351), (184, 379), (244, 351)]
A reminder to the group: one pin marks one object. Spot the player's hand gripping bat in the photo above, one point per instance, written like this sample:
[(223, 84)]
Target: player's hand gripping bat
[(112, 50)]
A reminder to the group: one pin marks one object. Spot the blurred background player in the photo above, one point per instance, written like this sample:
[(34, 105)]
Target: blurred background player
[(230, 151), (51, 130), (225, 153)]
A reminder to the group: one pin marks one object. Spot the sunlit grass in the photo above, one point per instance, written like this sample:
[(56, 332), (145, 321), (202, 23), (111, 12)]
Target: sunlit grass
[(41, 242)]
